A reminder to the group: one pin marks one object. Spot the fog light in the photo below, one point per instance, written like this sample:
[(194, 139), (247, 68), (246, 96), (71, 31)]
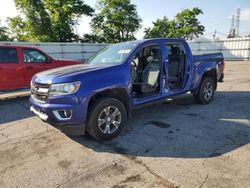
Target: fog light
[(63, 114)]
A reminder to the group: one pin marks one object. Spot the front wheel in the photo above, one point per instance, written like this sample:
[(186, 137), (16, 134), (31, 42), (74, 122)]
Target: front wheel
[(107, 116), (206, 91)]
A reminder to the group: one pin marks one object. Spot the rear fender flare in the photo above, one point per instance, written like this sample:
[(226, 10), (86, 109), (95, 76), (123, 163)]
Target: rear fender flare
[(201, 70)]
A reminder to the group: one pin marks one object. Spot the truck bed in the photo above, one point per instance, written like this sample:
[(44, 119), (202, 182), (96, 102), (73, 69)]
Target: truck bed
[(208, 57)]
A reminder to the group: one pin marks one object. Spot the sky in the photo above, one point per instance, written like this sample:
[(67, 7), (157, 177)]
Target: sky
[(217, 14)]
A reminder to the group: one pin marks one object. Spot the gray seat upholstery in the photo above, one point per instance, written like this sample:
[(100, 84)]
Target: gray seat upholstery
[(150, 75), (175, 63), (142, 64)]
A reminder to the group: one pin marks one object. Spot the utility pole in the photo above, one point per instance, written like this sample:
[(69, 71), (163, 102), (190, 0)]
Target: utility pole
[(214, 35), (232, 28), (237, 23)]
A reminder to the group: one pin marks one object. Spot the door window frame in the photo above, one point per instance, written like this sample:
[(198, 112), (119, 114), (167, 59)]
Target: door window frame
[(141, 46), (34, 62), (137, 49), (167, 58)]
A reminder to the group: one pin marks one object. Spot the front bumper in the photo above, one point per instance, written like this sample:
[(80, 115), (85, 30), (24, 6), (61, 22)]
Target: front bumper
[(74, 125), (41, 115)]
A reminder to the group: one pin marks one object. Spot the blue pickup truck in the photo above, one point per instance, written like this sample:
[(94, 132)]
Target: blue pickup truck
[(98, 96)]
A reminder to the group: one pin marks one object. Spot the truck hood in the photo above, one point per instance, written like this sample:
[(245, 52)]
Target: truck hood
[(64, 72)]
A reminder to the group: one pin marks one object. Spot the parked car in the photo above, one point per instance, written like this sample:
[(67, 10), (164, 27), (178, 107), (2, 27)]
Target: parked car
[(98, 96), (19, 63)]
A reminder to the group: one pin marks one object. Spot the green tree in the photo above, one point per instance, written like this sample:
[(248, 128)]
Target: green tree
[(161, 28), (184, 25), (48, 20), (116, 21), (92, 38), (19, 29), (4, 34)]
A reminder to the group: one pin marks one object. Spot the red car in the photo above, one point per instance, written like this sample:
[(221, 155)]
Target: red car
[(19, 63)]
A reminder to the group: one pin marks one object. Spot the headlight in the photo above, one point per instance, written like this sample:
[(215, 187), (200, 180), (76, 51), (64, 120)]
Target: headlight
[(64, 89)]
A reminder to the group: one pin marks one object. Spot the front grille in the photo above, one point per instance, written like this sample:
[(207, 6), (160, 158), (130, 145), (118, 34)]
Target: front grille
[(40, 92)]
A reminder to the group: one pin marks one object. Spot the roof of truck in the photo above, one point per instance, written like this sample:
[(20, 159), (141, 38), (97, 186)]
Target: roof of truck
[(152, 39)]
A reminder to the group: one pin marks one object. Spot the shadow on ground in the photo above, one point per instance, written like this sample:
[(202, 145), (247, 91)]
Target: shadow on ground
[(179, 128), (14, 110), (183, 129)]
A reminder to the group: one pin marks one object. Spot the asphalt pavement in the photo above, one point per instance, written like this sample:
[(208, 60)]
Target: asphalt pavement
[(177, 143)]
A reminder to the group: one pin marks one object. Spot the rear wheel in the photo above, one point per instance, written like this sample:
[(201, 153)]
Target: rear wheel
[(107, 116), (206, 91)]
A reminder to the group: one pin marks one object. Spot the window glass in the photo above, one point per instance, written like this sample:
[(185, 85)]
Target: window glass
[(113, 54), (174, 49), (154, 53), (8, 55), (147, 54), (33, 56), (169, 50)]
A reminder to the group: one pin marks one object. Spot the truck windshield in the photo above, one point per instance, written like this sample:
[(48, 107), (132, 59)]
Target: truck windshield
[(113, 54)]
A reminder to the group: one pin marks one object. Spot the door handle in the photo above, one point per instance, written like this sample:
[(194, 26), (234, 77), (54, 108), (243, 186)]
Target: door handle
[(29, 67)]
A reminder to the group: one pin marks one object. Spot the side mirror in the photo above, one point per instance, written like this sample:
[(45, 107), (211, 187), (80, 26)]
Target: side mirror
[(50, 60)]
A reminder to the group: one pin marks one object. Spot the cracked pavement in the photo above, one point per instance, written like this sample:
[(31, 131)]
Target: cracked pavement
[(177, 143)]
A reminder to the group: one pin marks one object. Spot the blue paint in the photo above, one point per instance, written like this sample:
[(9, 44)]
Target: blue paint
[(97, 78)]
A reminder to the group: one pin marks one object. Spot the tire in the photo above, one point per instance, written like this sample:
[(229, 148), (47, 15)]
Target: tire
[(107, 116), (206, 91)]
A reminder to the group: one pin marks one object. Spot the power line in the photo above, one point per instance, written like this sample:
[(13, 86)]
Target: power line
[(215, 21)]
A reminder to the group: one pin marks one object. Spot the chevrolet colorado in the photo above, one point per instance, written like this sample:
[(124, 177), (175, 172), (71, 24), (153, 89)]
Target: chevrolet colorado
[(98, 96)]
